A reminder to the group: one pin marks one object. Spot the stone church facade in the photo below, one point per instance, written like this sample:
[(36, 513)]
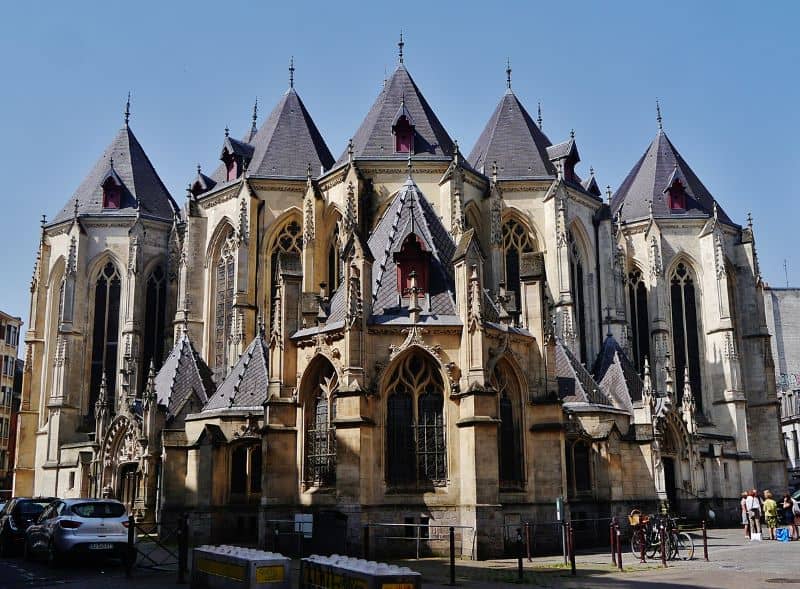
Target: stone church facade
[(403, 334)]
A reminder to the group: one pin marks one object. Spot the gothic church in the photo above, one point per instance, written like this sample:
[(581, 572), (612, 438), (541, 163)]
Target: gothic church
[(404, 333)]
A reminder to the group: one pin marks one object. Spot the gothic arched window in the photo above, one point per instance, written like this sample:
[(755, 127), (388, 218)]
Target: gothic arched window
[(245, 473), (320, 449), (578, 293), (685, 341), (639, 318), (289, 240), (224, 272), (105, 334), (579, 468), (510, 439), (335, 262), (516, 241), (155, 310), (416, 450)]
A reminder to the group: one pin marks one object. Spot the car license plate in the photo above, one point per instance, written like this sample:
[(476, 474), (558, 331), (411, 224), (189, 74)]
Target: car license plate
[(101, 546)]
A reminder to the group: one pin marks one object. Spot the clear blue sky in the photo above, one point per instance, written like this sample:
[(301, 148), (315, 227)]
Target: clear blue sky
[(726, 74)]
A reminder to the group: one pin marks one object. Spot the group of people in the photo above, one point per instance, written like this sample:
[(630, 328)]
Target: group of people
[(754, 508)]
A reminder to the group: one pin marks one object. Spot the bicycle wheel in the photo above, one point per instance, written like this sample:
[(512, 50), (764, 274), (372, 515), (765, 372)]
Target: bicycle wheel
[(636, 543), (684, 546)]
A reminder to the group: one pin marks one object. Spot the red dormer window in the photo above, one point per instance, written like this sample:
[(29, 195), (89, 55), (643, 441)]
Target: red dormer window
[(676, 196), (112, 194), (231, 165), (403, 136), (412, 257)]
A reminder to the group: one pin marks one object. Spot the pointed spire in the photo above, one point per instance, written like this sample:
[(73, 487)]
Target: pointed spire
[(659, 120), (749, 220), (400, 46), (128, 109), (291, 72), (508, 74), (414, 309), (539, 118), (254, 127), (227, 131)]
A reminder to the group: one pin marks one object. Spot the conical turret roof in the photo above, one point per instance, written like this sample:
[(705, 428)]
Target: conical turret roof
[(375, 139), (649, 179), (183, 375), (246, 385), (513, 140), (127, 163)]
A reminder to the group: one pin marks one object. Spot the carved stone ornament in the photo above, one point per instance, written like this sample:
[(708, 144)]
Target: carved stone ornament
[(414, 338), (355, 303), (243, 234), (454, 376), (719, 255), (457, 217), (495, 220), (309, 230), (250, 429), (474, 315), (656, 263)]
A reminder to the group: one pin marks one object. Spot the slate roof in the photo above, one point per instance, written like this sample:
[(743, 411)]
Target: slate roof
[(652, 175), (617, 375), (246, 384), (410, 212), (284, 145), (374, 138), (575, 383), (141, 185), (183, 374), (513, 140), (561, 150)]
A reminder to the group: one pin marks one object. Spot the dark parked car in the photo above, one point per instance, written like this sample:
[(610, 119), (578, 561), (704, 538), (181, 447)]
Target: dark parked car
[(17, 515)]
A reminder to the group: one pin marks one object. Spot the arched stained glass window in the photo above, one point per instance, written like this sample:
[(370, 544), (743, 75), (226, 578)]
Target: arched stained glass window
[(510, 439), (224, 273), (685, 340), (320, 449), (516, 241), (155, 309), (578, 293), (639, 318), (335, 262), (105, 334), (289, 240), (416, 450)]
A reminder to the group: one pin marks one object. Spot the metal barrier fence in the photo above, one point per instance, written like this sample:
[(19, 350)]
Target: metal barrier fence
[(548, 537), (417, 540)]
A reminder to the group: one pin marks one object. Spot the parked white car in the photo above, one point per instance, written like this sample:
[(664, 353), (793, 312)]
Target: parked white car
[(79, 526)]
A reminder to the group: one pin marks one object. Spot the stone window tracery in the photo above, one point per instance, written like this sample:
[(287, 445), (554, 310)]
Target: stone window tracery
[(320, 449), (516, 241), (224, 273), (416, 448), (335, 262), (105, 334), (155, 310), (578, 293), (639, 318), (509, 441), (685, 339)]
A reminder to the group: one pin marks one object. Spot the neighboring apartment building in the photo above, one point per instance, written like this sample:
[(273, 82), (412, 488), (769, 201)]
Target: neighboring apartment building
[(10, 327), (782, 307)]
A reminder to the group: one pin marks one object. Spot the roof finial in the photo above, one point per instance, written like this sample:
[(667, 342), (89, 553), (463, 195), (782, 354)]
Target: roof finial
[(291, 72), (308, 172), (128, 109), (75, 210), (508, 73), (539, 119), (591, 171), (650, 208), (572, 133), (608, 192), (111, 161), (254, 128), (400, 46), (408, 164), (658, 116), (385, 77), (43, 220), (750, 220), (227, 131), (715, 210), (198, 169), (350, 150)]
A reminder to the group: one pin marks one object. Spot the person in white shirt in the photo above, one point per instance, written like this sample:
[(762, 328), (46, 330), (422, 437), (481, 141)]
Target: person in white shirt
[(753, 504)]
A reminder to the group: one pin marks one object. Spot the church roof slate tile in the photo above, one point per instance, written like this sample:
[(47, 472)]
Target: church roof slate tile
[(183, 374), (513, 140), (246, 384), (649, 179), (141, 184), (374, 138)]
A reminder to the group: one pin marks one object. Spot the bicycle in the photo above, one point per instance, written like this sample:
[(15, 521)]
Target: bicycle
[(678, 545)]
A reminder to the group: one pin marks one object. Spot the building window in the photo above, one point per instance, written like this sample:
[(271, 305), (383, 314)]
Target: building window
[(288, 241), (155, 309), (579, 468), (112, 194), (578, 294), (412, 258), (245, 472), (105, 334), (685, 342), (510, 439), (516, 241), (416, 450), (403, 136), (320, 462), (231, 165), (335, 262), (676, 196), (224, 273), (639, 318)]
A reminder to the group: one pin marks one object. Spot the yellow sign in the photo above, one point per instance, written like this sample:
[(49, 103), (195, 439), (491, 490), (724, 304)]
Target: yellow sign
[(326, 578), (269, 574), (397, 586), (236, 572)]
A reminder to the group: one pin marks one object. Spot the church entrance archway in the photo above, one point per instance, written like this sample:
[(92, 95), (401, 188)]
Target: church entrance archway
[(128, 484), (669, 483)]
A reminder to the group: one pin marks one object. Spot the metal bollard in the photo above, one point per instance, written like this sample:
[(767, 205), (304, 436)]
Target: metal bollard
[(528, 540), (571, 549), (452, 556), (643, 540), (519, 555), (663, 545), (612, 538), (619, 548), (130, 552), (705, 542)]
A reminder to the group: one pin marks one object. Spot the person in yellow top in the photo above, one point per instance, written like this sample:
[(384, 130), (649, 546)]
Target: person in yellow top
[(771, 513)]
